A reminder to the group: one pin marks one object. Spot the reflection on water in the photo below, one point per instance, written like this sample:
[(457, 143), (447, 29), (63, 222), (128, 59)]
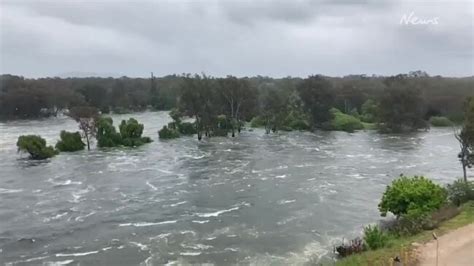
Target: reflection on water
[(257, 198)]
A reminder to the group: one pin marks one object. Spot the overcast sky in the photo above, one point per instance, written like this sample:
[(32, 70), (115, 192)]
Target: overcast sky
[(244, 38)]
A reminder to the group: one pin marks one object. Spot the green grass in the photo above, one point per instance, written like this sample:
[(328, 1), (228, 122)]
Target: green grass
[(401, 246)]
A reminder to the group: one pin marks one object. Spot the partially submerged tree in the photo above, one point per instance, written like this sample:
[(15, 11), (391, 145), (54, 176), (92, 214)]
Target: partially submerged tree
[(318, 98), (70, 141), (87, 118), (35, 146), (401, 107), (236, 93), (131, 132), (107, 135), (466, 138)]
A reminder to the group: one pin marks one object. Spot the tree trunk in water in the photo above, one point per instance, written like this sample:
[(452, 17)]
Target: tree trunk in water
[(233, 132), (464, 171), (88, 145)]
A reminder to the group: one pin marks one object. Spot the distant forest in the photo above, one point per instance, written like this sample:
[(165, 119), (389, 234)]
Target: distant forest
[(23, 98)]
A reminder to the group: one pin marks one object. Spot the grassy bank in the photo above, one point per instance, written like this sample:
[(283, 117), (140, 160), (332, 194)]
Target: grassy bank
[(402, 246)]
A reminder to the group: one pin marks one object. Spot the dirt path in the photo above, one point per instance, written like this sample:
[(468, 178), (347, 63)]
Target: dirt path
[(455, 248)]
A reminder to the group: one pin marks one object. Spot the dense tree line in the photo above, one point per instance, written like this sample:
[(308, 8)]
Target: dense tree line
[(399, 103)]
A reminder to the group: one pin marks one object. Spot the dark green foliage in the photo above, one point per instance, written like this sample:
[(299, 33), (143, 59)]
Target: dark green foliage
[(318, 98), (441, 121), (369, 111), (401, 107), (86, 117), (344, 122), (187, 128), (135, 142), (107, 136), (131, 129), (374, 237), (466, 137), (70, 141), (131, 132), (257, 121), (412, 197), (35, 146), (168, 133), (460, 191)]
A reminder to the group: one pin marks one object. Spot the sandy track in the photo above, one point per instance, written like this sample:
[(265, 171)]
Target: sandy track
[(455, 248)]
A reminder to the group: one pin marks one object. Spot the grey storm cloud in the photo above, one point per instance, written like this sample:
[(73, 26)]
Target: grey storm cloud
[(244, 38)]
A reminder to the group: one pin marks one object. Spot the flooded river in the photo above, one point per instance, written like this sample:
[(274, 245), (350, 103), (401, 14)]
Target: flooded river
[(282, 198)]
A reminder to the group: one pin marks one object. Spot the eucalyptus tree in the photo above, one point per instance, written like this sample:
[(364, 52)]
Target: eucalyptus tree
[(466, 138), (198, 100), (87, 118), (318, 98), (236, 94)]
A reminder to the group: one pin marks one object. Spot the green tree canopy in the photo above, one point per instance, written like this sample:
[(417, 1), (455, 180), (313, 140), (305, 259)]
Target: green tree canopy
[(35, 146)]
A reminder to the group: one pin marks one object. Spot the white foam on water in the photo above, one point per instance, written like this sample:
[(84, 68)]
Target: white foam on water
[(142, 224), (58, 216), (27, 260), (197, 246), (64, 183), (77, 254), (200, 222), (151, 186), (217, 213), (81, 218), (190, 253), (357, 176), (280, 176), (7, 191), (140, 245), (164, 171), (58, 263), (160, 236), (283, 202), (178, 203)]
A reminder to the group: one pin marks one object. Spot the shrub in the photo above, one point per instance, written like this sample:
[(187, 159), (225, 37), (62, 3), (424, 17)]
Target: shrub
[(441, 121), (299, 124), (412, 196), (35, 146), (131, 133), (257, 121), (344, 122), (187, 128), (460, 192), (70, 141), (374, 237), (167, 133), (131, 129), (107, 136)]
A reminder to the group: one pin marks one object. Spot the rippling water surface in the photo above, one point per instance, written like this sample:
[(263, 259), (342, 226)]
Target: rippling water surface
[(257, 199)]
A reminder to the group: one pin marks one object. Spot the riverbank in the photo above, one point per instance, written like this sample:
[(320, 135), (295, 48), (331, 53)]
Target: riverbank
[(409, 249)]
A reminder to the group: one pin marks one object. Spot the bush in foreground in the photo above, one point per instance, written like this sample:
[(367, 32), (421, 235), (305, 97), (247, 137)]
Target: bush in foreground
[(35, 146), (374, 237), (70, 141), (441, 121), (412, 196), (460, 192)]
